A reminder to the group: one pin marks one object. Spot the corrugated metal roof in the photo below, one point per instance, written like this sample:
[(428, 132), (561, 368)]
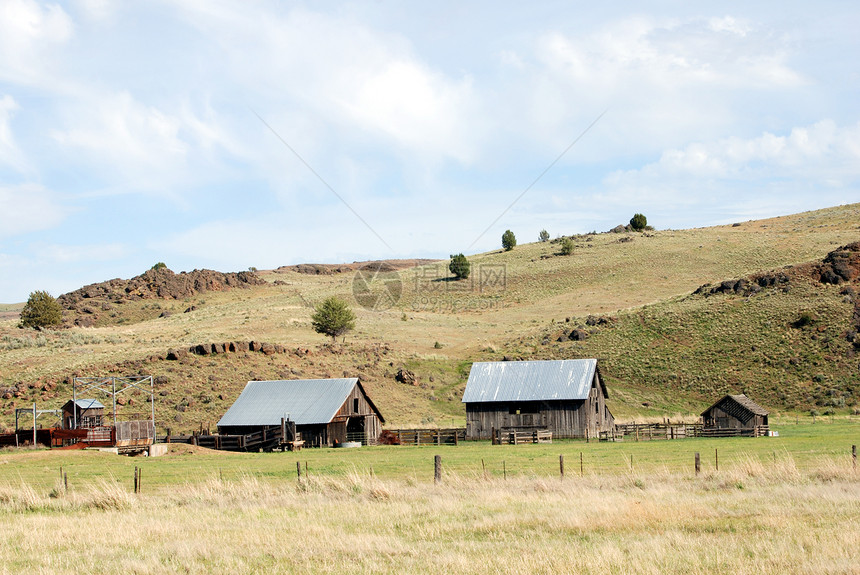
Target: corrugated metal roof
[(305, 401), (89, 404), (529, 380)]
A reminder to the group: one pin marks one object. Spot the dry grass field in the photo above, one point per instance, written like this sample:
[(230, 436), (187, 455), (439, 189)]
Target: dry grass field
[(665, 352), (775, 505)]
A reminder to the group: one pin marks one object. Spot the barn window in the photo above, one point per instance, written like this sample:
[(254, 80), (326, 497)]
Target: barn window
[(355, 405), (524, 408)]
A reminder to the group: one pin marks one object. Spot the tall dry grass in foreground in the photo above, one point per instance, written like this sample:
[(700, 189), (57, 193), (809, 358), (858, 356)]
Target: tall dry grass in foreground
[(753, 519)]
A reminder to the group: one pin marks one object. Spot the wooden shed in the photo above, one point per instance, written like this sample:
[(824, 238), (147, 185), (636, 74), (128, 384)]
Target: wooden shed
[(735, 415), (83, 414), (566, 397), (325, 411)]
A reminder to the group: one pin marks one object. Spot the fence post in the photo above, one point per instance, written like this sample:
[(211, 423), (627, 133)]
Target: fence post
[(561, 465), (65, 481), (483, 468), (716, 459), (492, 435), (437, 472), (298, 469), (504, 470), (135, 479), (854, 456), (698, 463)]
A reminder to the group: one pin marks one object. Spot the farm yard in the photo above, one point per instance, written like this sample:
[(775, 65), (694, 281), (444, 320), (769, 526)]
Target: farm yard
[(787, 504)]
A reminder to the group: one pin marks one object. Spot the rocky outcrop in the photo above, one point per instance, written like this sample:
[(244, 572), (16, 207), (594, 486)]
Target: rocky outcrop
[(841, 265), (406, 376), (85, 305), (217, 348)]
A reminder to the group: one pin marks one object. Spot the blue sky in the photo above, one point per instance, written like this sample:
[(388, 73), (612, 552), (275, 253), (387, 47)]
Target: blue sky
[(131, 132)]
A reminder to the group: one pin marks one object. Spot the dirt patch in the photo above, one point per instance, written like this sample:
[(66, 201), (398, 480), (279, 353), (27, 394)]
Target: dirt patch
[(9, 315), (178, 449)]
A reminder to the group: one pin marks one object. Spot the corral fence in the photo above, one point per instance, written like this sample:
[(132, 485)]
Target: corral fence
[(267, 439), (757, 431), (450, 436), (652, 431), (518, 435), (668, 430)]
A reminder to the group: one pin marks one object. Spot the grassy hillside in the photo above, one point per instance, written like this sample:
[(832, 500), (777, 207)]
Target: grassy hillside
[(665, 351)]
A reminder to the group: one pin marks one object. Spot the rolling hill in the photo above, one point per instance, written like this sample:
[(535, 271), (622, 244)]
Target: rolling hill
[(770, 322)]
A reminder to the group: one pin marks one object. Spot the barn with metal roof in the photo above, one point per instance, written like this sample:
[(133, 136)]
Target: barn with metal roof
[(324, 411), (566, 397)]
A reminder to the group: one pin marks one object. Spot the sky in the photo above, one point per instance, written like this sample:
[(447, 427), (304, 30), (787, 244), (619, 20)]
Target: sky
[(230, 135)]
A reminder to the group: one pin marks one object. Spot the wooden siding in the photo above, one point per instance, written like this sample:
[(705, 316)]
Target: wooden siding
[(564, 418), (728, 414)]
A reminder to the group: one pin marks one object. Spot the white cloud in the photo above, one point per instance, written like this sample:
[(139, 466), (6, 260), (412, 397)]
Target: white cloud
[(350, 79), (808, 152), (130, 144), (732, 179), (70, 253), (27, 208), (664, 81), (29, 32), (10, 154)]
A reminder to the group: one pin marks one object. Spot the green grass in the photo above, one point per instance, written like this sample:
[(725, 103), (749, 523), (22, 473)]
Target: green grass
[(806, 445)]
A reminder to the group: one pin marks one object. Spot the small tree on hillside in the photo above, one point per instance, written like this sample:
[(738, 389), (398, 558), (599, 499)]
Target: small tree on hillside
[(638, 222), (41, 310), (543, 236), (459, 266), (509, 240), (333, 318), (566, 246), (159, 266)]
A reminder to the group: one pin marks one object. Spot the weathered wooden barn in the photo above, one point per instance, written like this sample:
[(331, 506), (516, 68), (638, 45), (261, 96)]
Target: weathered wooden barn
[(735, 415), (83, 413), (325, 411), (566, 397)]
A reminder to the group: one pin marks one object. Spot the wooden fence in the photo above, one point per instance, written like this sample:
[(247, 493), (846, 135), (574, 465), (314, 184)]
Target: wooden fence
[(652, 431), (451, 436), (516, 436), (757, 431), (665, 431), (266, 439)]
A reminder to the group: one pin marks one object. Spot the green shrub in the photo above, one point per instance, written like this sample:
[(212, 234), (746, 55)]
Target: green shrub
[(638, 222), (566, 246), (459, 266), (543, 236), (41, 310), (509, 240), (159, 266)]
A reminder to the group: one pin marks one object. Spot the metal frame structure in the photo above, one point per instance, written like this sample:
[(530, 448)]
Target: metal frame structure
[(113, 386), (36, 413)]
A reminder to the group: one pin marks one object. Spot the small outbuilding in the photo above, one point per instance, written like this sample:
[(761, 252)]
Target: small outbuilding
[(566, 397), (83, 414), (325, 412), (735, 415)]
